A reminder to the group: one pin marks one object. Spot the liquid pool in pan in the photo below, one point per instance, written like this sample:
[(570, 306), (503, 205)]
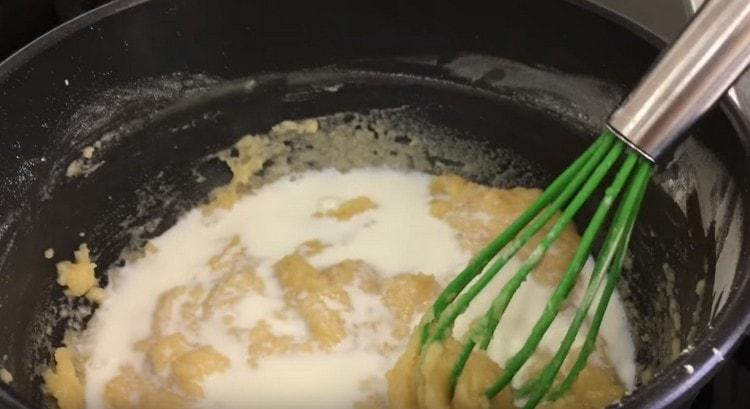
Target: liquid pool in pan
[(300, 281)]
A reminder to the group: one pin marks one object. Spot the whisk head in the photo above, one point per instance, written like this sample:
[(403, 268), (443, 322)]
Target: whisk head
[(556, 207)]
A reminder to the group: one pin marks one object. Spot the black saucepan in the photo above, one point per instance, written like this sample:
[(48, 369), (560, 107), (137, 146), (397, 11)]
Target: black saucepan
[(163, 84)]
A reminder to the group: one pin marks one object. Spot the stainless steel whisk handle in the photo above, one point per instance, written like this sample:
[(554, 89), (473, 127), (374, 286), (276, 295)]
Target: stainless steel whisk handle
[(704, 61)]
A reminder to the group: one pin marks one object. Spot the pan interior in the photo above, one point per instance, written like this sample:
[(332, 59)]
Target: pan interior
[(494, 121)]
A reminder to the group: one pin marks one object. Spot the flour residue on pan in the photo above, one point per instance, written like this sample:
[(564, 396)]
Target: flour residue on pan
[(696, 171), (582, 102), (397, 138), (95, 128)]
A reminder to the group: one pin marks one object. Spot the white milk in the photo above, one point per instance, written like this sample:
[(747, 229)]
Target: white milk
[(398, 236)]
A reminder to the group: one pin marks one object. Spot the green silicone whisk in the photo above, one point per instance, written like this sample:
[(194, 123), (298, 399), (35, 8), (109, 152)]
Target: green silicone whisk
[(698, 68)]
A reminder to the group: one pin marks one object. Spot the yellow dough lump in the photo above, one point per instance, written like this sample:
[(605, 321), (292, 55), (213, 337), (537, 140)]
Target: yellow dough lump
[(79, 276)]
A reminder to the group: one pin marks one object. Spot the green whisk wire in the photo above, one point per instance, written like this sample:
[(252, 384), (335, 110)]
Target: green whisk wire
[(482, 330), (610, 260), (481, 260), (640, 183), (445, 320), (557, 205), (501, 302), (514, 364)]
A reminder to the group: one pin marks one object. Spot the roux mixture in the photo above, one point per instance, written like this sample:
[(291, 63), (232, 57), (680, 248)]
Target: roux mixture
[(305, 292)]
